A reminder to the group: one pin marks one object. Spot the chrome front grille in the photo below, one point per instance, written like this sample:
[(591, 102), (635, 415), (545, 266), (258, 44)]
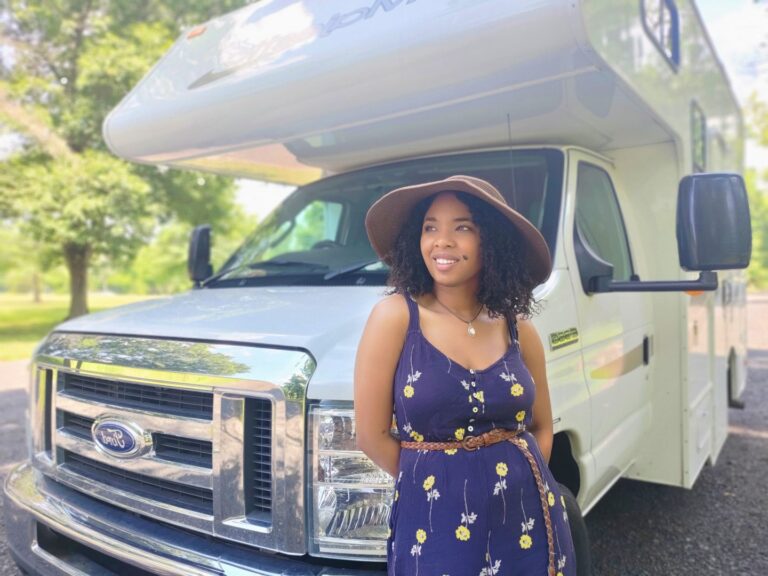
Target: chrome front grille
[(222, 445), (171, 493), (159, 399), (167, 447), (258, 455)]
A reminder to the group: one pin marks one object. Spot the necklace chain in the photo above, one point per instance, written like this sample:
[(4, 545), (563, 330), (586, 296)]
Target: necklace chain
[(470, 329)]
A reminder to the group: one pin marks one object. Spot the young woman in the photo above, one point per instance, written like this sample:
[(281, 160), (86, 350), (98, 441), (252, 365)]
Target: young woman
[(466, 382)]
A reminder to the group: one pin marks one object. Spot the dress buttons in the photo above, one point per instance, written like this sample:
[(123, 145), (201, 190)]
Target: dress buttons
[(471, 428), (471, 419), (471, 371), (474, 384), (474, 409)]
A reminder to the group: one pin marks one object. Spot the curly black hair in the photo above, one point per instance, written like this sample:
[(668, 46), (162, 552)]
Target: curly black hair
[(506, 286)]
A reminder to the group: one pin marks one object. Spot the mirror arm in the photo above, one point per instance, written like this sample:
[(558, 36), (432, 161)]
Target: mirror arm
[(707, 281)]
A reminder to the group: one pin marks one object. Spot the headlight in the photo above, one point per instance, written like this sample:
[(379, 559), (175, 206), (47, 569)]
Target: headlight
[(351, 497)]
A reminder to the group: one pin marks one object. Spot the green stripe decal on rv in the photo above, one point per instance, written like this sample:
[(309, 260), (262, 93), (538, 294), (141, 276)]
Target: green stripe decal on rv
[(563, 338)]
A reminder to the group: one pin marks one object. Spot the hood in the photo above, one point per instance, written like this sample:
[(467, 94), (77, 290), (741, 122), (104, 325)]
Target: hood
[(325, 321)]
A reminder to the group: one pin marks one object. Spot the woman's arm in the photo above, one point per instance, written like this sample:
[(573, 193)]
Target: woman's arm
[(532, 352), (375, 365)]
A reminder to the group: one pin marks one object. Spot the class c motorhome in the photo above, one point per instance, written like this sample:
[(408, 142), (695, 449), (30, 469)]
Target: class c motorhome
[(213, 433)]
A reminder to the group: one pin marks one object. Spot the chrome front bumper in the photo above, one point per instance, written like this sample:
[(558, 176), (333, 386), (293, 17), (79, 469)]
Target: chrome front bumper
[(32, 500)]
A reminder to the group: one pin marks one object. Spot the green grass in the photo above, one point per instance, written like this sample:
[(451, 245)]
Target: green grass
[(23, 323)]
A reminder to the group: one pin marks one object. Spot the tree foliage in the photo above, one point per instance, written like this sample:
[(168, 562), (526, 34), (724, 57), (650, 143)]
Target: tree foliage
[(72, 61), (757, 181)]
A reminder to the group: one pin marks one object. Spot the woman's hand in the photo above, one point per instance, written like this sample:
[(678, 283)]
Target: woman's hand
[(377, 356), (532, 351)]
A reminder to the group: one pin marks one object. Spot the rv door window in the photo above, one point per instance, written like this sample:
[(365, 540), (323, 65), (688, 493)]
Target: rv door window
[(599, 219)]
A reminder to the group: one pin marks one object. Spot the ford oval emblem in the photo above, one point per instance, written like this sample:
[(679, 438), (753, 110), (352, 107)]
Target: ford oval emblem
[(118, 438)]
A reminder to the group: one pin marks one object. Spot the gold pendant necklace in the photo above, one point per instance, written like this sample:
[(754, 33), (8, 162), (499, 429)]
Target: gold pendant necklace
[(470, 329)]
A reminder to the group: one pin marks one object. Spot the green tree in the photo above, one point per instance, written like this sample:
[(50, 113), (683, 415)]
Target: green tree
[(73, 60), (756, 116)]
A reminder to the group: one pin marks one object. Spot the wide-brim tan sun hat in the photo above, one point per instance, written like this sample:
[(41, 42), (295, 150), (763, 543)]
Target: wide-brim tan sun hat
[(388, 214)]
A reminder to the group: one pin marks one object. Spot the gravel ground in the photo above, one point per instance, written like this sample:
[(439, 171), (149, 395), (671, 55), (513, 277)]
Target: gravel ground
[(718, 528)]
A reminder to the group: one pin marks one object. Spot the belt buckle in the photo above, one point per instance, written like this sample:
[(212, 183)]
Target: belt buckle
[(465, 443)]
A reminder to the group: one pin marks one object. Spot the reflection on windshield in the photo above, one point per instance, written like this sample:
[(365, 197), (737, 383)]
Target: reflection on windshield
[(318, 234)]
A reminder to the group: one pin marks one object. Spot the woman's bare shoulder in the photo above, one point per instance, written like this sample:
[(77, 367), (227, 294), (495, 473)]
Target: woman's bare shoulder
[(390, 313)]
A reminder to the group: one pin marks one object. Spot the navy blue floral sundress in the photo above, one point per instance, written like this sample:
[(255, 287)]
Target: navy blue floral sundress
[(471, 513)]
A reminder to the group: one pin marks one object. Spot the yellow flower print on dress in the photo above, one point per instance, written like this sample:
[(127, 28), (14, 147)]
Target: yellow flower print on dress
[(501, 486), (467, 518), (432, 495), (523, 442), (550, 499), (462, 533), (479, 395), (397, 494), (421, 536), (459, 434), (416, 436), (408, 391), (451, 451), (520, 416), (516, 390), (527, 525)]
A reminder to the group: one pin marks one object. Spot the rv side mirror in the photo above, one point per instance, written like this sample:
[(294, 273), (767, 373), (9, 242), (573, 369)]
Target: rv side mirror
[(713, 224), (199, 256)]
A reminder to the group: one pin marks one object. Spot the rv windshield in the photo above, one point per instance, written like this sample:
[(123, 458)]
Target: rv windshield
[(317, 235)]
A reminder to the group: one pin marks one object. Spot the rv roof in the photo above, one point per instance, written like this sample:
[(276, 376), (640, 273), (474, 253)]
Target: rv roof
[(288, 90)]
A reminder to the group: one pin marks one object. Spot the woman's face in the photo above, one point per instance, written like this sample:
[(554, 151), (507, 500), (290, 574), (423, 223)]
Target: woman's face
[(450, 242)]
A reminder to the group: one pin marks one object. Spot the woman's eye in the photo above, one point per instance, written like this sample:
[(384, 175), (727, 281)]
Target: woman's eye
[(465, 227)]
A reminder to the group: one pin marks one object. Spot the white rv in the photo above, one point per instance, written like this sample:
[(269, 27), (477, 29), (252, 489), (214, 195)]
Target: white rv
[(213, 432)]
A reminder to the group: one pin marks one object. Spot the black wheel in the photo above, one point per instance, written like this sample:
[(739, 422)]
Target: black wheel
[(579, 533)]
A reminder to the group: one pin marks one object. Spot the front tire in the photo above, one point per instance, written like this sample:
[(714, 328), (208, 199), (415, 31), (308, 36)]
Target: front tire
[(579, 533)]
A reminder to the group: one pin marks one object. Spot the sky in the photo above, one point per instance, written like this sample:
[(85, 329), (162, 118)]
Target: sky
[(739, 31)]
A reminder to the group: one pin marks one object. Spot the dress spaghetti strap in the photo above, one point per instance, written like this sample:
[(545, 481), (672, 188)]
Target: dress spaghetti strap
[(413, 312), (512, 326)]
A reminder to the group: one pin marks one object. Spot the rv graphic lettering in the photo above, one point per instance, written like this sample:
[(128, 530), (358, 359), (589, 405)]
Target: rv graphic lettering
[(267, 48), (344, 19)]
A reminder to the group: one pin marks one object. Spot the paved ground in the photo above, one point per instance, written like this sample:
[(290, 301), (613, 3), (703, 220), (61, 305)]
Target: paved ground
[(13, 379), (717, 529)]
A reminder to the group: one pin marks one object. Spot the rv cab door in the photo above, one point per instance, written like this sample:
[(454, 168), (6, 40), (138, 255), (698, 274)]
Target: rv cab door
[(613, 327)]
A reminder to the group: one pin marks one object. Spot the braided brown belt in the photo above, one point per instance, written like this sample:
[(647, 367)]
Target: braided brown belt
[(468, 443), (492, 437)]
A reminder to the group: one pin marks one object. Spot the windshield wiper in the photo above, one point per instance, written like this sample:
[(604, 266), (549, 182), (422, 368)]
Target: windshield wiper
[(286, 264), (261, 265), (349, 269)]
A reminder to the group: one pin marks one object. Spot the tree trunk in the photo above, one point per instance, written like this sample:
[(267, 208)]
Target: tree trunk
[(77, 258), (36, 287)]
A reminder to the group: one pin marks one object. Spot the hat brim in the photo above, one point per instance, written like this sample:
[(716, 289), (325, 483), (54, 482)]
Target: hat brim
[(386, 217)]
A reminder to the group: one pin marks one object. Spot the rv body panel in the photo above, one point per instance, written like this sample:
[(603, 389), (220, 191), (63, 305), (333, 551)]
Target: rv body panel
[(373, 91)]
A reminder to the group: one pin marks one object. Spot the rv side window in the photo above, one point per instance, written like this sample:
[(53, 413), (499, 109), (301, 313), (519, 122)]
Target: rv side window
[(598, 217), (662, 24), (698, 138)]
